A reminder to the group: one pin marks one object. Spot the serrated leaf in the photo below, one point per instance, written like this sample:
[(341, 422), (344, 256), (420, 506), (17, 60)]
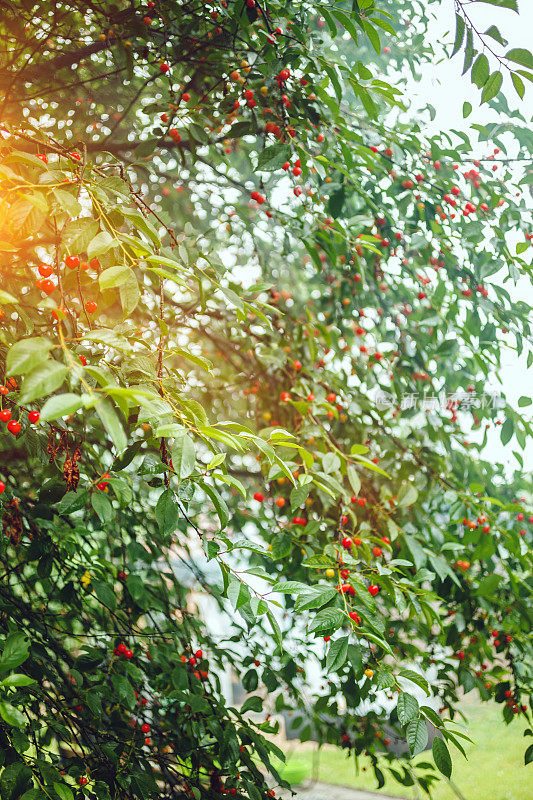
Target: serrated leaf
[(417, 735), (183, 454), (60, 405), (167, 512), (520, 56), (441, 755), (25, 354), (492, 87), (336, 655), (42, 380), (407, 708), (101, 243)]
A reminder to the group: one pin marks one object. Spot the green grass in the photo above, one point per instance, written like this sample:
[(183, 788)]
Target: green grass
[(494, 770)]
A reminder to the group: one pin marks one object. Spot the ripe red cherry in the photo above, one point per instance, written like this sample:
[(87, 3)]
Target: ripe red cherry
[(357, 541), (331, 397), (520, 517), (164, 67), (72, 262), (186, 96), (14, 427), (145, 728), (373, 590), (355, 616), (83, 360), (90, 306), (47, 286), (347, 543), (259, 497), (5, 415), (33, 417), (376, 551), (128, 654), (121, 648), (45, 270), (2, 486), (83, 780), (344, 519), (284, 397), (297, 365), (3, 390), (199, 654)]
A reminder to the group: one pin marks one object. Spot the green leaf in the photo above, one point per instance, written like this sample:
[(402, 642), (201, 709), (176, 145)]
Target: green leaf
[(220, 504), (520, 56), (354, 479), (115, 276), (492, 87), (183, 455), (25, 354), (469, 50), (112, 424), (253, 703), (298, 496), (42, 380), (273, 157), (507, 430), (518, 84), (417, 735), (407, 495), (407, 708), (18, 679), (60, 405), (480, 70), (337, 653), (459, 34), (63, 791), (101, 243), (15, 651), (125, 691), (105, 594), (443, 762), (167, 512), (68, 202), (102, 505), (12, 715), (326, 621)]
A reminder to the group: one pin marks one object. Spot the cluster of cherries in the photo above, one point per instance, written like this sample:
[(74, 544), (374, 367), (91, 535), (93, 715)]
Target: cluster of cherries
[(13, 425), (44, 284)]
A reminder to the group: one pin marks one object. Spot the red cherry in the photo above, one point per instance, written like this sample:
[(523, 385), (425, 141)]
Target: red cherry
[(347, 543), (33, 417), (83, 780), (376, 551), (199, 654), (72, 262), (14, 427), (284, 397), (357, 541), (520, 517), (373, 590), (47, 286), (297, 365), (259, 497), (355, 616), (164, 67), (83, 360), (121, 648), (90, 306), (2, 486), (145, 728), (45, 270), (331, 397), (128, 654), (3, 390), (5, 415)]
